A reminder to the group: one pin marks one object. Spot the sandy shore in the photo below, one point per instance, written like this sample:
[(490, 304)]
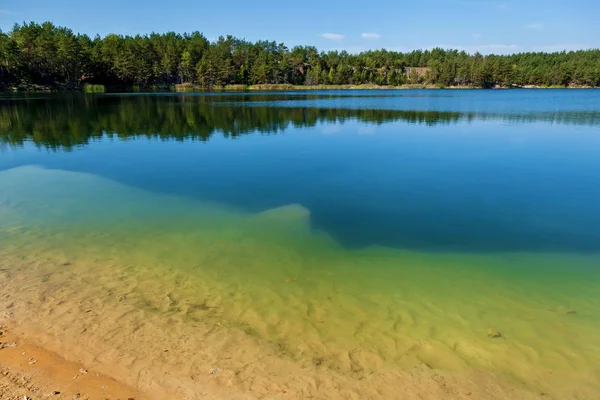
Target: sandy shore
[(28, 371)]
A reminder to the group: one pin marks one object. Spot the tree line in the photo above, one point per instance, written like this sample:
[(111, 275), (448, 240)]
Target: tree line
[(56, 57)]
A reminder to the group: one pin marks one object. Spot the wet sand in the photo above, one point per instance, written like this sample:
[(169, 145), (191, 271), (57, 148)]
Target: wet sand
[(32, 372), (202, 302)]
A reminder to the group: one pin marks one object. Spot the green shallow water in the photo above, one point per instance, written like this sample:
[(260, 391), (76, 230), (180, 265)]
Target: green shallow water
[(295, 288)]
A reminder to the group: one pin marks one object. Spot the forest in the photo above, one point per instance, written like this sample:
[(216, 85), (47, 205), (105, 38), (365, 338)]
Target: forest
[(54, 57)]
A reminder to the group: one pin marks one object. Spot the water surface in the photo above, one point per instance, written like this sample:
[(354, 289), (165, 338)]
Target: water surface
[(356, 232)]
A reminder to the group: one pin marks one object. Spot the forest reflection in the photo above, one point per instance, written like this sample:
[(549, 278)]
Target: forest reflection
[(63, 122)]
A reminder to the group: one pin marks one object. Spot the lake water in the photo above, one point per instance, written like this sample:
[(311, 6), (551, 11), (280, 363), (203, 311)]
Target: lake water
[(371, 244)]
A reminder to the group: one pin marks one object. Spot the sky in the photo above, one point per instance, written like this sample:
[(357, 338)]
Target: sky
[(486, 26)]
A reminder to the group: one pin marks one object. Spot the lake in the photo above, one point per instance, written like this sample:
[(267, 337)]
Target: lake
[(327, 244)]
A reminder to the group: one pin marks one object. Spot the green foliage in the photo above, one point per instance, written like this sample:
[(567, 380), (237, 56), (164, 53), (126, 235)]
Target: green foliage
[(34, 54), (90, 88)]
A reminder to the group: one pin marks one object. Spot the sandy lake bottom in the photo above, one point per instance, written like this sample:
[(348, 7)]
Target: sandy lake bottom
[(172, 295)]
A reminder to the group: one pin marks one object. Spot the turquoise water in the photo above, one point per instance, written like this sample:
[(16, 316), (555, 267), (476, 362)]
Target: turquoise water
[(407, 225)]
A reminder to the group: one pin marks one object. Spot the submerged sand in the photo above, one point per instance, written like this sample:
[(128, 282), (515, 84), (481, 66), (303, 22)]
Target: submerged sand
[(181, 299)]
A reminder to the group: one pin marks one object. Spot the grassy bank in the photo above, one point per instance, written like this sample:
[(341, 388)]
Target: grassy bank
[(89, 88)]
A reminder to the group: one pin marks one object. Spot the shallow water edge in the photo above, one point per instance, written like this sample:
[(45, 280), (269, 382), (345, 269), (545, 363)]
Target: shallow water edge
[(122, 274)]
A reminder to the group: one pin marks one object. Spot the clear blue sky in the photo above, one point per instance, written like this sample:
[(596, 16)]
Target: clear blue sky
[(355, 25)]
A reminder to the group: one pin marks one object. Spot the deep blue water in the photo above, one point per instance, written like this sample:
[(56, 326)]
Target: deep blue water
[(465, 170)]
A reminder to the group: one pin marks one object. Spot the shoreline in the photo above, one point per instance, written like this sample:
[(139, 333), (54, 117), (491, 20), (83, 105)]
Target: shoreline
[(283, 88), (30, 371), (190, 88)]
